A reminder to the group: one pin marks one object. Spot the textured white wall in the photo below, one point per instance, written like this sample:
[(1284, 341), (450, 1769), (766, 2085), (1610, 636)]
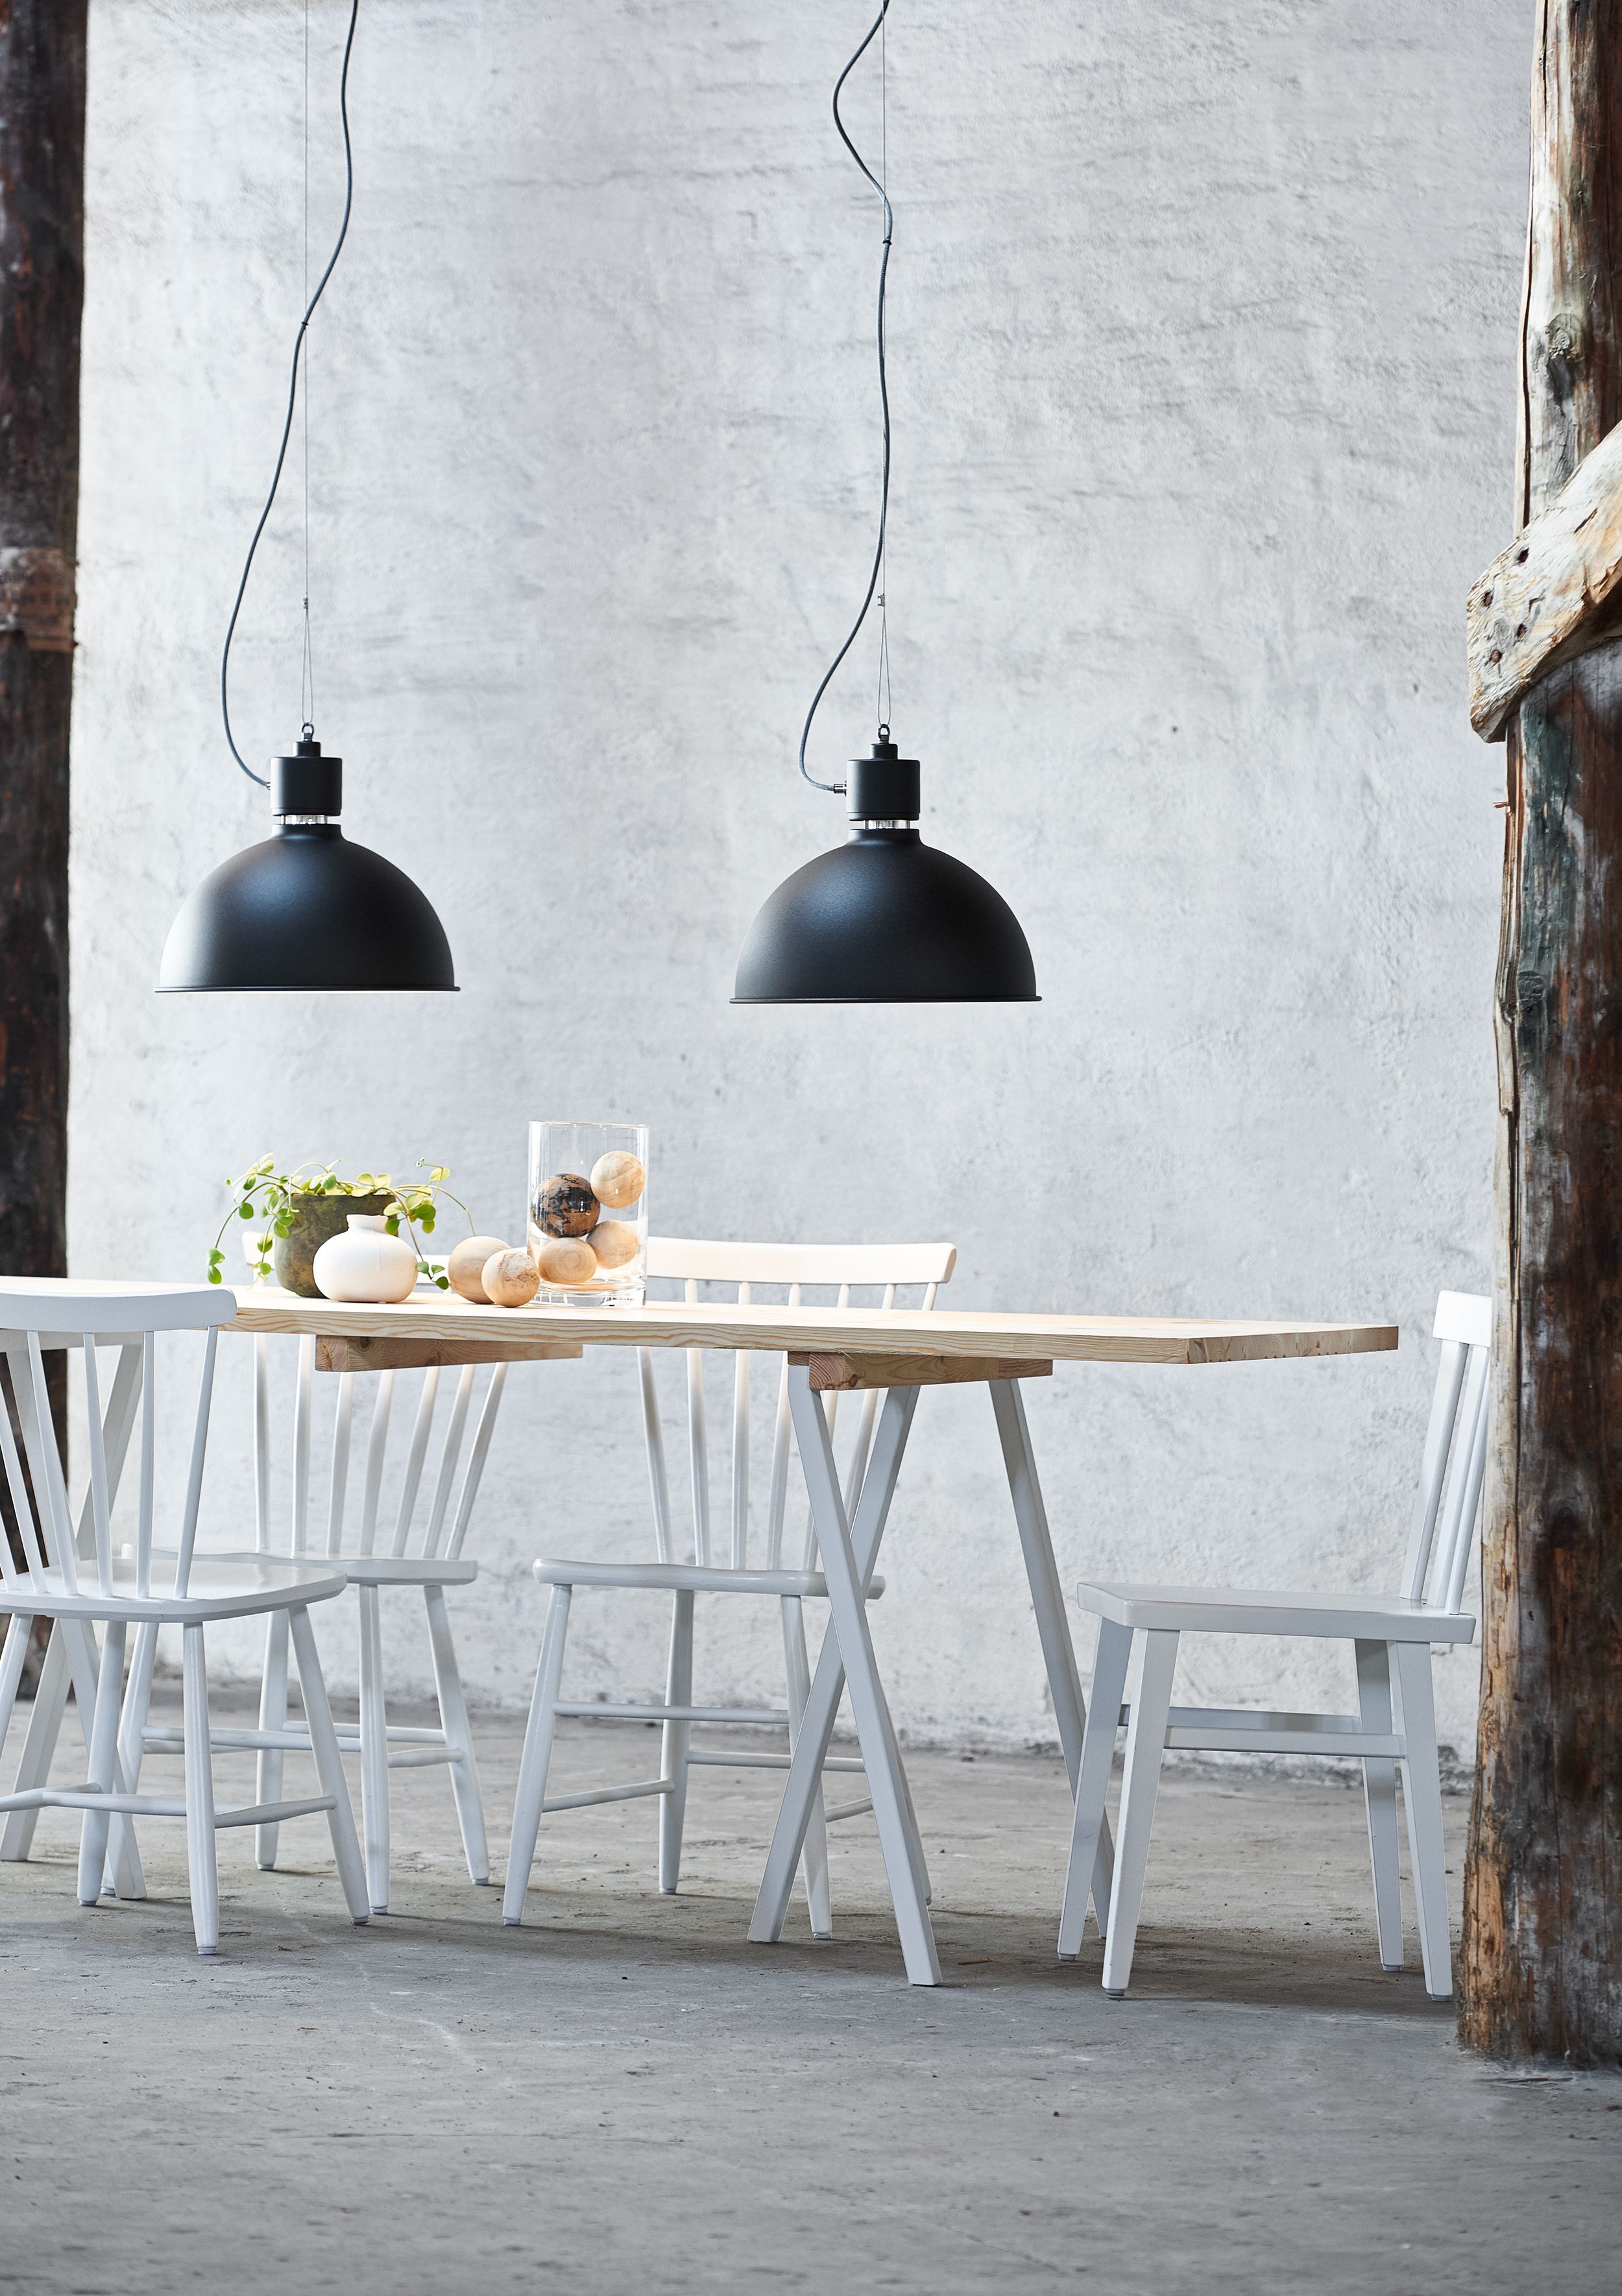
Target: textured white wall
[(1202, 324)]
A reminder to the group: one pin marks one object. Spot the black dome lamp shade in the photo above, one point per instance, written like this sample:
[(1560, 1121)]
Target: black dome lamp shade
[(305, 909), (883, 918)]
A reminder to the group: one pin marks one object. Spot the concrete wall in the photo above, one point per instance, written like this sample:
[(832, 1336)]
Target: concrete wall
[(1203, 316)]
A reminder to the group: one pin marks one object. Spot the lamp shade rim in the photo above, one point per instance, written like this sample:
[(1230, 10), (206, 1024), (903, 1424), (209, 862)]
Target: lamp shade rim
[(884, 920), (308, 988), (993, 997)]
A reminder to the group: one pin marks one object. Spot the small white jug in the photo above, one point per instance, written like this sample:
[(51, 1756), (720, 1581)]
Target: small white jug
[(366, 1264)]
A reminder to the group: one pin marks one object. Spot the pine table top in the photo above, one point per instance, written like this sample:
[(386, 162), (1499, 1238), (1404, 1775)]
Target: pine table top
[(940, 1334)]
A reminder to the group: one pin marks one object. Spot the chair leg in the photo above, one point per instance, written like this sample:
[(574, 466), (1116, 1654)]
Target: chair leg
[(1380, 1801), (200, 1793), (814, 1858), (273, 1716), (132, 1754), (537, 1758), (38, 1744), (374, 1748), (1093, 1785), (1145, 1745), (674, 1740), (13, 1659), (329, 1763), (458, 1736), (103, 1761), (1423, 1800), (84, 1667)]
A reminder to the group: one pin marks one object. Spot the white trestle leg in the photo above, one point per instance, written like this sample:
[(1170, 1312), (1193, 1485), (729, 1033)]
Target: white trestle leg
[(816, 1725), (847, 1575), (1082, 1878), (819, 1896), (1145, 1746), (537, 1758), (833, 1564)]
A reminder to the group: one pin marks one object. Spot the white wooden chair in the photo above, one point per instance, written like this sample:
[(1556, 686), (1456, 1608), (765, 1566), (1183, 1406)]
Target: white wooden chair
[(72, 1576), (409, 1530), (716, 1568), (1394, 1730)]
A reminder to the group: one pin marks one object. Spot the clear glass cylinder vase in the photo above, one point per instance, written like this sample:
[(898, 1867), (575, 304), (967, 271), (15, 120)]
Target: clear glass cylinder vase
[(588, 1213)]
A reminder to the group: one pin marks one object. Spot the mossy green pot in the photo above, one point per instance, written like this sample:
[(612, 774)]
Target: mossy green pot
[(315, 1218)]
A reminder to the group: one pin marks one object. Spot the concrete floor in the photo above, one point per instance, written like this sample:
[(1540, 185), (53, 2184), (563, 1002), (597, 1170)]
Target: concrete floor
[(626, 2097)]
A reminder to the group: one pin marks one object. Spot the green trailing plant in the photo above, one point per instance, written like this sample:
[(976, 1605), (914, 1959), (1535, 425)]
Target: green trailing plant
[(272, 1198)]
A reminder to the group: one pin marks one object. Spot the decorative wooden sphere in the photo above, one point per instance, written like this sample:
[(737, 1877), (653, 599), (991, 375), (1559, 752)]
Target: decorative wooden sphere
[(614, 1243), (566, 1205), (465, 1267), (618, 1179), (568, 1262), (511, 1279)]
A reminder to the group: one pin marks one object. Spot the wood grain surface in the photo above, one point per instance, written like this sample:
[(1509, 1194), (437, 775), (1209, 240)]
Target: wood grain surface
[(1552, 595), (1542, 1934), (823, 1330), (42, 266)]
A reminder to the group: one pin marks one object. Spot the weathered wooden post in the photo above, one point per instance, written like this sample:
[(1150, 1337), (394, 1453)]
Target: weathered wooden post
[(42, 257), (1543, 1942)]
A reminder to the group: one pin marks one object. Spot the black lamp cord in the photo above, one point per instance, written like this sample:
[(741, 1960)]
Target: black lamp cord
[(878, 564), (292, 401)]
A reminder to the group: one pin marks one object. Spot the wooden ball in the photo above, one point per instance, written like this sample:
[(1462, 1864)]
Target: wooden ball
[(511, 1278), (568, 1262), (614, 1243), (618, 1179), (566, 1205), (465, 1267)]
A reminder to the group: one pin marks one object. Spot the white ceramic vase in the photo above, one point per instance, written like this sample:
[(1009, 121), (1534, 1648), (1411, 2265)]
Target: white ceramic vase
[(366, 1263)]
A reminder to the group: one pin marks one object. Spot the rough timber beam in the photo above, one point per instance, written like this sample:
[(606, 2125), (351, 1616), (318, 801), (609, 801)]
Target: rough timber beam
[(1549, 596)]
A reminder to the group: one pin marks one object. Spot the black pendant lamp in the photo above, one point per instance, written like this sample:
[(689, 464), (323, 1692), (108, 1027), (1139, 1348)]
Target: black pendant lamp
[(883, 918), (306, 909)]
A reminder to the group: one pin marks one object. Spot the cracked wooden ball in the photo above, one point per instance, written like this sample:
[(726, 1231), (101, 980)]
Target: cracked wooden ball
[(511, 1279), (465, 1267), (618, 1179), (566, 1205), (568, 1262), (614, 1243)]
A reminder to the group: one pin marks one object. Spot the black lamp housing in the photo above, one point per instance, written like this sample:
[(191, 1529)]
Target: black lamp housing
[(307, 909), (885, 919)]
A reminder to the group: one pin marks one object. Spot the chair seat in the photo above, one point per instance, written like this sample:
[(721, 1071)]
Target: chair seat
[(687, 1578), (1250, 1610), (222, 1586)]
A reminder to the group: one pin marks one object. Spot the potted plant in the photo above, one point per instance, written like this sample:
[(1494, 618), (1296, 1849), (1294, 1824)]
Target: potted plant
[(298, 1211)]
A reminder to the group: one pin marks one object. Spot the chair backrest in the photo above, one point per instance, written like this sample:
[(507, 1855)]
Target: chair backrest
[(396, 1504), (1455, 1454), (40, 1313), (785, 1269)]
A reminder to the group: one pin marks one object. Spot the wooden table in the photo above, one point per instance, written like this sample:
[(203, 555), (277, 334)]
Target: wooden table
[(830, 1350)]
